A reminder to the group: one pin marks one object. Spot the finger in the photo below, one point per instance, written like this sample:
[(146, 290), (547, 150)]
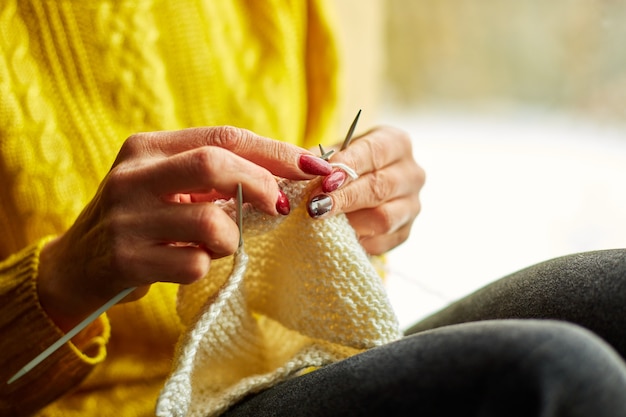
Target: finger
[(385, 219), (209, 169), (161, 263), (381, 244), (280, 158), (370, 190), (375, 150), (205, 225)]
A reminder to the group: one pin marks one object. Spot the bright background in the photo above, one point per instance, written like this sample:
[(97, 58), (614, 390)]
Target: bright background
[(517, 110), (504, 192)]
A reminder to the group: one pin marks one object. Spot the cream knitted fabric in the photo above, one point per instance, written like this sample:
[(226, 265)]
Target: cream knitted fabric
[(303, 293)]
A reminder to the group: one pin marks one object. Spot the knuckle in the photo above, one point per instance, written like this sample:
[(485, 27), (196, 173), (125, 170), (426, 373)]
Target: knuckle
[(214, 230), (350, 160), (377, 151), (379, 186), (203, 161), (131, 144), (386, 143), (205, 222), (346, 200), (115, 187), (414, 175), (135, 144), (228, 137), (419, 175), (116, 226), (120, 259), (382, 219), (195, 269), (267, 183)]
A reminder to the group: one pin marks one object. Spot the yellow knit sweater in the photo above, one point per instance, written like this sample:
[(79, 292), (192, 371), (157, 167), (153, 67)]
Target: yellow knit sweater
[(76, 79)]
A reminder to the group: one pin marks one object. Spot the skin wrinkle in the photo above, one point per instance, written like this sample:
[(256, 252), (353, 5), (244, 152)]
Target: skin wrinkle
[(380, 187), (228, 137), (242, 141), (378, 152)]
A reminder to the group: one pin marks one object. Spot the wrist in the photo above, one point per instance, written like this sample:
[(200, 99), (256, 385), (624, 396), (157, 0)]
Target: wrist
[(54, 294)]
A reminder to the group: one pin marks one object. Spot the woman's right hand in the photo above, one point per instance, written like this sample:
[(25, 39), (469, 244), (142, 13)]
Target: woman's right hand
[(153, 217)]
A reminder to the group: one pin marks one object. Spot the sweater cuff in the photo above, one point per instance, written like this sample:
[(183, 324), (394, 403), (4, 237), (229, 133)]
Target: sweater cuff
[(27, 330)]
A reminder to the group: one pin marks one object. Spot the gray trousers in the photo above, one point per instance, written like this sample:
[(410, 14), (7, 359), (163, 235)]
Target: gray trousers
[(549, 340)]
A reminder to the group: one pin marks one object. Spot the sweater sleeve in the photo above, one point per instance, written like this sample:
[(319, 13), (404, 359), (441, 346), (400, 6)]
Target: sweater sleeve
[(27, 331)]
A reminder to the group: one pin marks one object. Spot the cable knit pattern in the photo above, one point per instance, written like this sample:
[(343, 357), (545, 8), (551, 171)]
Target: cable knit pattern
[(303, 293), (32, 114), (131, 65)]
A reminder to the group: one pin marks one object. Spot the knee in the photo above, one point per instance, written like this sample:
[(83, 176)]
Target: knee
[(573, 370), (541, 347), (568, 346), (556, 368)]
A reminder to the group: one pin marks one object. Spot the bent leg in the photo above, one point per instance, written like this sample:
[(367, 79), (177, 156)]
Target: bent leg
[(491, 368), (588, 289)]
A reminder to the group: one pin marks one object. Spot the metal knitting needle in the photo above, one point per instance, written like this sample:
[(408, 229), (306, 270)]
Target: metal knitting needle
[(348, 138), (240, 214), (346, 142), (119, 297), (66, 338), (325, 155)]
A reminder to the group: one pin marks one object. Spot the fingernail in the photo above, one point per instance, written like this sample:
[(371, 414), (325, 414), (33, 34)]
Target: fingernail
[(313, 165), (319, 205), (282, 204), (333, 181)]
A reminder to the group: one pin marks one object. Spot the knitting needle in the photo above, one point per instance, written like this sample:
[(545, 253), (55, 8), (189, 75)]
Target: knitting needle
[(119, 297), (240, 214), (346, 142), (66, 338), (325, 155), (348, 138)]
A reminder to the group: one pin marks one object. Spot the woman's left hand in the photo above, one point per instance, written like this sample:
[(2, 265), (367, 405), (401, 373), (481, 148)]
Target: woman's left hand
[(382, 203)]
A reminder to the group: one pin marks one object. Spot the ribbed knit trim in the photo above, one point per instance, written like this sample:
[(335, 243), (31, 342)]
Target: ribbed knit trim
[(27, 330)]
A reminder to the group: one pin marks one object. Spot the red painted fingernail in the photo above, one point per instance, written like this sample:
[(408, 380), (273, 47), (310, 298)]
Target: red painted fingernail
[(333, 181), (313, 165), (319, 205), (282, 204)]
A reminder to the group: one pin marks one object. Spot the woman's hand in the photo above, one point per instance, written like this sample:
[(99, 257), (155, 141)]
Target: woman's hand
[(153, 217), (384, 201)]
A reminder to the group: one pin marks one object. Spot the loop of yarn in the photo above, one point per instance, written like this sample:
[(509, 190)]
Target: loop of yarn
[(351, 172)]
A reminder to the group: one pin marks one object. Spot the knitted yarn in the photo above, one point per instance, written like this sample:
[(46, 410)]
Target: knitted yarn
[(302, 294)]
